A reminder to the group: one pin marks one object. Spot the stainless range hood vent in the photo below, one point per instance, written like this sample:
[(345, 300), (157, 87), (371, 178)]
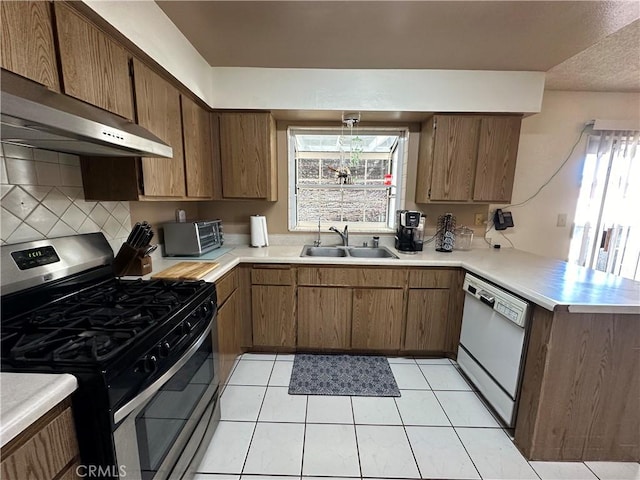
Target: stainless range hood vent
[(34, 116)]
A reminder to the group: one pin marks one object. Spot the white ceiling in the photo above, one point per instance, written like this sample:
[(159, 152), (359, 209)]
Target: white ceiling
[(575, 40)]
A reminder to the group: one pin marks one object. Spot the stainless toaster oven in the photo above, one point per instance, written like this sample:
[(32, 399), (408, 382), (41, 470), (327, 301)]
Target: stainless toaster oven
[(192, 238)]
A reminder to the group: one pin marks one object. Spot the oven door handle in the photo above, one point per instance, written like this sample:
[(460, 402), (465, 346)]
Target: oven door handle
[(152, 389)]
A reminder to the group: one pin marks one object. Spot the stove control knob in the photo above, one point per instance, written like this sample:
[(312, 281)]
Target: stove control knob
[(187, 326), (164, 349), (149, 364)]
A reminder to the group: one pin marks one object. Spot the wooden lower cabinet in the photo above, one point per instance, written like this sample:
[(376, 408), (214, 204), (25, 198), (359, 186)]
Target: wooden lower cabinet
[(273, 314), (228, 335), (324, 317), (427, 320), (47, 449), (377, 318)]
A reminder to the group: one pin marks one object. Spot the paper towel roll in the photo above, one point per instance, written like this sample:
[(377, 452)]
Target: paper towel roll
[(259, 235)]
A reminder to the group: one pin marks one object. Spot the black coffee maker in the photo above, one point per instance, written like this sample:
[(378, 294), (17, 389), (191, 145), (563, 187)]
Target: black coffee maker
[(409, 231)]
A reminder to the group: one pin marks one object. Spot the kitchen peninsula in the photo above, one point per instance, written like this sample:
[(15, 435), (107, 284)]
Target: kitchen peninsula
[(580, 377)]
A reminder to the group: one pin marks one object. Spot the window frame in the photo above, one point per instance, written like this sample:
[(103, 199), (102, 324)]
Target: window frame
[(395, 201)]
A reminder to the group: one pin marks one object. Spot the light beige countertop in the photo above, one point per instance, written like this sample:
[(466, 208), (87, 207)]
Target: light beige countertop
[(25, 397), (545, 281)]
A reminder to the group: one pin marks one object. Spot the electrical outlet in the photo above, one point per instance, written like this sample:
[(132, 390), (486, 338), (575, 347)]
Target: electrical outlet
[(562, 220), (479, 219)]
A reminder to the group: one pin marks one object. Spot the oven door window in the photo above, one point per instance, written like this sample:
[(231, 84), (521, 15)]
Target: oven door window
[(161, 422)]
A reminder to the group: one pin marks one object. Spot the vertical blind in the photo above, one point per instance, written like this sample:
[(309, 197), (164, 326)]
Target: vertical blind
[(606, 233)]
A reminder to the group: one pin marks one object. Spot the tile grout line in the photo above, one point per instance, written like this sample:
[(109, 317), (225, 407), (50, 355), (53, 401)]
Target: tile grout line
[(589, 468), (355, 432), (458, 436), (246, 457), (406, 434), (304, 432)]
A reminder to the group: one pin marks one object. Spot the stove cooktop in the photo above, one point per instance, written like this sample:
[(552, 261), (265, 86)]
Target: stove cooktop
[(96, 324)]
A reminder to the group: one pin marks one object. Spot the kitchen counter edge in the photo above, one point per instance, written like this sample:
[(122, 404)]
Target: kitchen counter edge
[(25, 397), (538, 279)]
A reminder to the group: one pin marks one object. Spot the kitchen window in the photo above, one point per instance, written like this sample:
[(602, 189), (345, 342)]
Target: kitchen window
[(339, 176)]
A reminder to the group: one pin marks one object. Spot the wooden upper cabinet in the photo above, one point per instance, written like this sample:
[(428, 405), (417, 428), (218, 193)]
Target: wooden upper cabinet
[(467, 158), (158, 109), (27, 46), (94, 67), (198, 154), (248, 156), (497, 152), (454, 157)]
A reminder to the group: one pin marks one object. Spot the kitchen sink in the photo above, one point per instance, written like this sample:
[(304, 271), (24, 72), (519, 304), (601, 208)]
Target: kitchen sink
[(358, 252), (309, 251), (367, 252)]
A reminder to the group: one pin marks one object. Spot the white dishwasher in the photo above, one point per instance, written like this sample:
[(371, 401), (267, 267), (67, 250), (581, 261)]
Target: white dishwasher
[(492, 343)]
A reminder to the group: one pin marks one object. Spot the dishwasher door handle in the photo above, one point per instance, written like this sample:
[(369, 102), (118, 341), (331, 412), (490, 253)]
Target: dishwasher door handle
[(486, 298)]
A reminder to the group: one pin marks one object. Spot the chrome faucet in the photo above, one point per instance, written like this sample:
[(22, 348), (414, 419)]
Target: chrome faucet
[(317, 242), (343, 235)]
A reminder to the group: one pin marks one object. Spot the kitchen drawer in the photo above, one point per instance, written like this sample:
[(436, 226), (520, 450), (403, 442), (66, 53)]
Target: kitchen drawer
[(352, 276), (431, 278), (272, 275), (226, 285)]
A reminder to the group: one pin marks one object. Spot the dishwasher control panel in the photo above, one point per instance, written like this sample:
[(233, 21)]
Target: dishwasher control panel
[(503, 302)]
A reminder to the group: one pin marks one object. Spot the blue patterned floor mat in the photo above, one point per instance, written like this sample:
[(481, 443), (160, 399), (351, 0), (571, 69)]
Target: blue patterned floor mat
[(355, 375)]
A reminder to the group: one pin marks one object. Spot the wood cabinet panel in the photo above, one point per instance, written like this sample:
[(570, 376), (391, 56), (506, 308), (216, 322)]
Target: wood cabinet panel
[(198, 154), (247, 155), (273, 314), (94, 67), (454, 157), (431, 278), (579, 388), (44, 454), (228, 335), (226, 286), (377, 318), (324, 317), (425, 161), (352, 277), (158, 108), (427, 320), (27, 46), (497, 152), (272, 276), (467, 158)]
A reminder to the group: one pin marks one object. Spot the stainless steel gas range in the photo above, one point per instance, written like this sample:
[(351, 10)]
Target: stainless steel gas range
[(144, 353)]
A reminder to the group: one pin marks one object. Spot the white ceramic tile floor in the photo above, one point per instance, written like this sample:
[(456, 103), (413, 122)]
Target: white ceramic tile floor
[(330, 450), (375, 411), (279, 406), (444, 377), (281, 374), (465, 409), (299, 437)]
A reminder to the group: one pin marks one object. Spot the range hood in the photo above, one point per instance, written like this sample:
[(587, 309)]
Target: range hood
[(34, 116)]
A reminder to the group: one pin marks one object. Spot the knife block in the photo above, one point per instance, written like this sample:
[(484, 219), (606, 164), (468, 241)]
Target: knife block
[(131, 261)]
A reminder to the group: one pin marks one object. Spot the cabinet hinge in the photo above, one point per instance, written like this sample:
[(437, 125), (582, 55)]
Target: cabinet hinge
[(429, 194)]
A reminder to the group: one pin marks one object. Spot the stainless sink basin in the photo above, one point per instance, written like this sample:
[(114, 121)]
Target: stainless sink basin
[(366, 252), (358, 252), (309, 251)]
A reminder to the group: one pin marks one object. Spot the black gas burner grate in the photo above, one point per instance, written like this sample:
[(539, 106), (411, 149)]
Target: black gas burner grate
[(97, 323)]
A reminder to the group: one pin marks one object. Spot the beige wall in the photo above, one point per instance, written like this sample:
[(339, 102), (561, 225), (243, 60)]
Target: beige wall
[(545, 142)]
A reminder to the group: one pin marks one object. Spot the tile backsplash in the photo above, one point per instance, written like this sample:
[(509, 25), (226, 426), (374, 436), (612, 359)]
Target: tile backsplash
[(42, 197)]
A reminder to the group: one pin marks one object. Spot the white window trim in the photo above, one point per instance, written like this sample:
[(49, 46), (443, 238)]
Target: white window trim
[(359, 227)]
